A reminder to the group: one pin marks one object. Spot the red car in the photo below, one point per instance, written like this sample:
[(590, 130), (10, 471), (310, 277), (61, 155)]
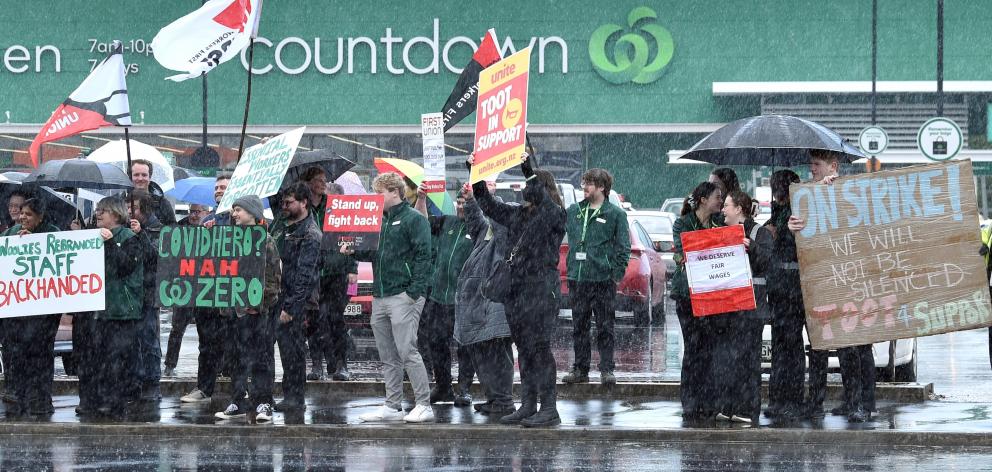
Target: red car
[(642, 289), (358, 312)]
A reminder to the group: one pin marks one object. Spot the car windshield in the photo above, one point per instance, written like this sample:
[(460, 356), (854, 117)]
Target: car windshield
[(672, 206), (655, 224)]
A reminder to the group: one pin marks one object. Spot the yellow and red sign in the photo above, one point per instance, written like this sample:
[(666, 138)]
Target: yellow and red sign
[(501, 116)]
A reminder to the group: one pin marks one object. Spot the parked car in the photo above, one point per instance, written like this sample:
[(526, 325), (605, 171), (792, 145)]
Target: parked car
[(642, 289), (659, 227), (358, 311), (673, 205), (512, 191), (905, 357)]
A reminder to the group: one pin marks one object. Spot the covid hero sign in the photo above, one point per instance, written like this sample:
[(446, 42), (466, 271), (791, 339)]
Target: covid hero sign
[(49, 273), (501, 116)]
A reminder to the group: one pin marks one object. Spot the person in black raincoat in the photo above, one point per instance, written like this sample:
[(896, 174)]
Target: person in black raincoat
[(30, 339), (13, 217), (696, 392), (146, 225), (141, 177), (536, 230)]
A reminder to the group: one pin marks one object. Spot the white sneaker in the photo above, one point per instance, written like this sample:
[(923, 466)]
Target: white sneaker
[(263, 412), (420, 414), (196, 396), (740, 419), (384, 413), (232, 411)]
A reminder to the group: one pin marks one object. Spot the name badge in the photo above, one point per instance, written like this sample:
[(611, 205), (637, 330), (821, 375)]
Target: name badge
[(396, 223), (600, 220), (580, 256)]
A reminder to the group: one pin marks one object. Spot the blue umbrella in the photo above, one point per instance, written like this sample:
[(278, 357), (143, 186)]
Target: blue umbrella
[(198, 190)]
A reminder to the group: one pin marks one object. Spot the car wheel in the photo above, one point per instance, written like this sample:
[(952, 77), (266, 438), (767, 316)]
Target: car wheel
[(642, 313), (69, 363), (907, 372)]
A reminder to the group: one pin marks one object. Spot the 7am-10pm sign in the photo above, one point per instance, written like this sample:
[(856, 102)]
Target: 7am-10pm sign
[(501, 116)]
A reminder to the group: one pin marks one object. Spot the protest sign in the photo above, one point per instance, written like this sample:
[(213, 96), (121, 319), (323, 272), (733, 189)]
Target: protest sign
[(891, 255), (262, 168), (432, 135), (217, 267), (354, 220), (47, 273), (718, 271), (501, 119)]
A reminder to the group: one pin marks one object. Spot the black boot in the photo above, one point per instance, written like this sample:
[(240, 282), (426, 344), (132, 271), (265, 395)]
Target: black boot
[(548, 416), (527, 409)]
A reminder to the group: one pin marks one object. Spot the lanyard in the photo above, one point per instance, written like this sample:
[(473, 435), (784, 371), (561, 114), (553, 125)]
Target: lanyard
[(585, 223)]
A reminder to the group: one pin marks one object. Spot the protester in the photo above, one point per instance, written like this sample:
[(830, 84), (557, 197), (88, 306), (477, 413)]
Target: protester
[(214, 331), (536, 230), (481, 329), (29, 340), (698, 212), (113, 352), (298, 240), (985, 252), (181, 316), (785, 384), (857, 363), (726, 180), (452, 245), (330, 337), (738, 347), (14, 202), (146, 226), (599, 249), (141, 177), (400, 268), (255, 328)]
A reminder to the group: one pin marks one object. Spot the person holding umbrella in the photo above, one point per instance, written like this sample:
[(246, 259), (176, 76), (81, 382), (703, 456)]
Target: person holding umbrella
[(29, 340)]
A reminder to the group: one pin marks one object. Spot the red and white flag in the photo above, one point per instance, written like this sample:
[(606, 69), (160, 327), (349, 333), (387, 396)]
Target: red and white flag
[(212, 35), (101, 100), (462, 101)]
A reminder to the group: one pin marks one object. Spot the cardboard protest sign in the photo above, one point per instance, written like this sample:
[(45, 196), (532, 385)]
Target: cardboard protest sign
[(501, 119), (891, 255), (218, 267), (432, 135), (262, 168), (47, 273), (718, 270), (354, 220)]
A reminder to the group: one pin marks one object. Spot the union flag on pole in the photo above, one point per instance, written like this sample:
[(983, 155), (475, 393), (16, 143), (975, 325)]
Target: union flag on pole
[(213, 34), (101, 100), (463, 99)]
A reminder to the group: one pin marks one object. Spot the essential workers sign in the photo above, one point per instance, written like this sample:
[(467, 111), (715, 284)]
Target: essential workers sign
[(217, 267), (718, 271), (42, 274), (353, 220), (501, 116), (891, 255), (262, 168)]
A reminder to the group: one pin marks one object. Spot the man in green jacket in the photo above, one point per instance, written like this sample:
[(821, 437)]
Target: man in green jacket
[(401, 267), (599, 249)]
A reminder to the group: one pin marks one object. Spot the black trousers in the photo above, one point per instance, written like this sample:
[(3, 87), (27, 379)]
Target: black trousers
[(531, 312), (117, 359), (32, 361), (438, 322), (493, 361), (180, 320), (817, 384), (86, 348), (292, 352), (857, 370), (738, 350), (785, 385), (255, 358), (5, 351), (696, 391), (334, 299), (593, 299), (213, 330)]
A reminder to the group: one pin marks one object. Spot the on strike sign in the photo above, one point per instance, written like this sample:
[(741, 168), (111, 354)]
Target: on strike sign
[(353, 220), (500, 134), (49, 273), (717, 267)]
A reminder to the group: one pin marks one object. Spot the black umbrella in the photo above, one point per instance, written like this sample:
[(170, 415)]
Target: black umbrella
[(333, 164), (772, 140), (60, 212), (79, 173)]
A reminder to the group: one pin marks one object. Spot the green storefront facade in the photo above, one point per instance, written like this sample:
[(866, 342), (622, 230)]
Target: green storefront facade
[(605, 90)]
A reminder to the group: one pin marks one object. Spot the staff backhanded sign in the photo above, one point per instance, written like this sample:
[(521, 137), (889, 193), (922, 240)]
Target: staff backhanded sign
[(718, 271), (47, 273), (262, 168), (891, 255), (501, 116)]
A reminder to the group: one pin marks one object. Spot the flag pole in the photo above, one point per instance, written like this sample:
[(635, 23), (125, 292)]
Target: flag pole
[(244, 122), (127, 147)]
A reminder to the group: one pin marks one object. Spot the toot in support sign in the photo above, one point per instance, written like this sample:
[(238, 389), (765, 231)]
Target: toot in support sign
[(718, 271), (891, 255), (218, 267), (501, 116), (353, 220), (262, 168), (41, 274)]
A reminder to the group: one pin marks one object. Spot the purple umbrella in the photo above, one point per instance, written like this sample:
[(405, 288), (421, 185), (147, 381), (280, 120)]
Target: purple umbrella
[(351, 184)]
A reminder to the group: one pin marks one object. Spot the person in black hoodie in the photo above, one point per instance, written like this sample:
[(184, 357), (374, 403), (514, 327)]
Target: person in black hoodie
[(535, 230), (141, 177)]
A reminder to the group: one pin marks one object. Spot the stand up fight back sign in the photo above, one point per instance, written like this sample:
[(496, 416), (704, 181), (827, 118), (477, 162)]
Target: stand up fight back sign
[(891, 255), (353, 220)]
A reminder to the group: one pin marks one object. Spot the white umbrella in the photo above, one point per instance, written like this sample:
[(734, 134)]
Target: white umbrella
[(115, 153)]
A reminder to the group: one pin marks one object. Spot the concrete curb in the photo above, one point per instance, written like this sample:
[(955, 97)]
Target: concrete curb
[(502, 433), (894, 392)]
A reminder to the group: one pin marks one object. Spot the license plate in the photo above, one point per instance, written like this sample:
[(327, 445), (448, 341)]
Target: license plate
[(766, 351), (353, 309)]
